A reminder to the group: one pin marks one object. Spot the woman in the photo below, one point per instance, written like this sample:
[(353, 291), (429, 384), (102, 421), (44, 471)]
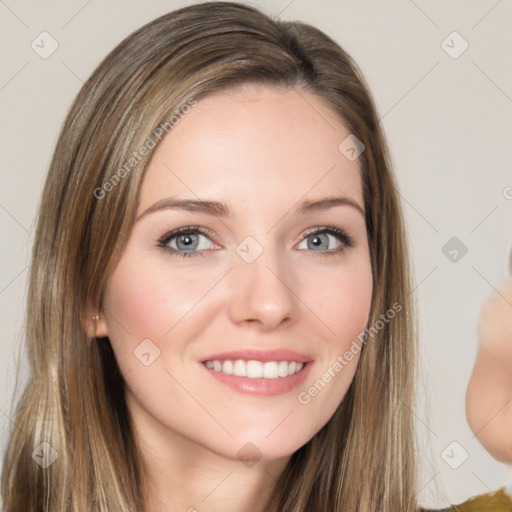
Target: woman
[(219, 312)]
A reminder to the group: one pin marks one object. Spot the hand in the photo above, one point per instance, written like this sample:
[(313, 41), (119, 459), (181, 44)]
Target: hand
[(489, 393)]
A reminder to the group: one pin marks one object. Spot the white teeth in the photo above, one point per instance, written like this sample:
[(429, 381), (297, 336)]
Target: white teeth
[(227, 367), (270, 370), (240, 368), (282, 368), (256, 369)]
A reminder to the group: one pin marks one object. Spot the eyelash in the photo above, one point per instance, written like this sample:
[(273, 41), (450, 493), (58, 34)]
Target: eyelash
[(341, 235)]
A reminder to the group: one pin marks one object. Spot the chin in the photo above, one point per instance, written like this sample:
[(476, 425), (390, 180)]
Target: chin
[(252, 449)]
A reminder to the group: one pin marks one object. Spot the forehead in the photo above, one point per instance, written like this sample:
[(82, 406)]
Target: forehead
[(254, 145)]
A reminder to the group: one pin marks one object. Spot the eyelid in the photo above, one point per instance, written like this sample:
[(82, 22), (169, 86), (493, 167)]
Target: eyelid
[(349, 240), (187, 229)]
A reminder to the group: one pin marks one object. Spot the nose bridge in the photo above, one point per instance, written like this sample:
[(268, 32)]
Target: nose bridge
[(261, 284)]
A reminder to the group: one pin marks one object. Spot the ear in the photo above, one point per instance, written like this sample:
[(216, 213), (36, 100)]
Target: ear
[(94, 327)]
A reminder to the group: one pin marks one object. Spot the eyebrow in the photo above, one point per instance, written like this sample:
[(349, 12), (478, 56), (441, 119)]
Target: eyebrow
[(219, 209)]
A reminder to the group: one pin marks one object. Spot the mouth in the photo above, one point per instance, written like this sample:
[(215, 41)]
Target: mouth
[(256, 372)]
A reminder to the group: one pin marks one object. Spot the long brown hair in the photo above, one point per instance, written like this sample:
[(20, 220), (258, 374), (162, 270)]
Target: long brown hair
[(364, 457)]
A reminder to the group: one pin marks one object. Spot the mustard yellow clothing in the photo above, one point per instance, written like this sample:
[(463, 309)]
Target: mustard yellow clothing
[(498, 501)]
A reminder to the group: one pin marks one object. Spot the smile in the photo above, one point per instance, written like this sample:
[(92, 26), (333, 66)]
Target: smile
[(253, 369)]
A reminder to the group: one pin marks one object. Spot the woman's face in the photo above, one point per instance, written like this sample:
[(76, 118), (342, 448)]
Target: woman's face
[(255, 288)]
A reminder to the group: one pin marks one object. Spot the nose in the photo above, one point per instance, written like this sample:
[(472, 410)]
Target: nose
[(262, 292)]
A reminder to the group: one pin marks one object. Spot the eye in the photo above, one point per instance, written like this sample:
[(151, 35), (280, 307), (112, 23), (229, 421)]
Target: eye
[(192, 240), (323, 240), (186, 241)]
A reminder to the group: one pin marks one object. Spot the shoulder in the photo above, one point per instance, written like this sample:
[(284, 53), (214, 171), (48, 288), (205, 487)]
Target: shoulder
[(498, 501)]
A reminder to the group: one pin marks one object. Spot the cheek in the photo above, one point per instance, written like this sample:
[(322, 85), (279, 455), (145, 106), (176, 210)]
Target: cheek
[(147, 300), (342, 300)]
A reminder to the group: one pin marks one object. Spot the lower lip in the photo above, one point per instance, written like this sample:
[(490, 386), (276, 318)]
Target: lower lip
[(262, 387)]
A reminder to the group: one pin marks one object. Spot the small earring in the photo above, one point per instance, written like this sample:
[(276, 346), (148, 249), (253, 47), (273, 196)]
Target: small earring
[(95, 318)]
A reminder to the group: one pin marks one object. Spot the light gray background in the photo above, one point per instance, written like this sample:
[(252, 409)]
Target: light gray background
[(449, 127)]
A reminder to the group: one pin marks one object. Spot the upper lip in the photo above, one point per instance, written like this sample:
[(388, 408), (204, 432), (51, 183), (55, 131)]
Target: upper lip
[(279, 354)]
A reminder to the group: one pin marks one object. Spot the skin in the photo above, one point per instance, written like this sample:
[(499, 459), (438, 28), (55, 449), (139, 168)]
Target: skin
[(259, 150), (489, 393)]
